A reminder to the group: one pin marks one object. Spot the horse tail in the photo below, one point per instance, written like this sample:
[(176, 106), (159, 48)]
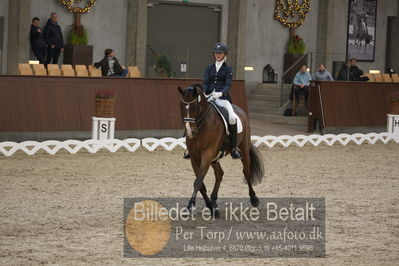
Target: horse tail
[(257, 168)]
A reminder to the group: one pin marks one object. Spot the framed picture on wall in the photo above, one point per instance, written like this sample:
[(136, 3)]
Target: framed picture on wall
[(361, 34)]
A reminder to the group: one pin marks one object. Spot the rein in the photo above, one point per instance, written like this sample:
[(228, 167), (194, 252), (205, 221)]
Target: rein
[(202, 120)]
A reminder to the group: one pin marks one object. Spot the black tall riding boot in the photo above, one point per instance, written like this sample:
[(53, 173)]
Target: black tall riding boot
[(235, 152)]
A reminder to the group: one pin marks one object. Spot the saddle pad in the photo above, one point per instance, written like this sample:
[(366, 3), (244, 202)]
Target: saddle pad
[(224, 114)]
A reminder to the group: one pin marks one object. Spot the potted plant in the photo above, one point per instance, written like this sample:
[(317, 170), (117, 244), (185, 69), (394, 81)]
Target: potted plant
[(77, 52), (164, 66), (296, 45), (78, 35), (394, 103), (105, 101), (295, 51)]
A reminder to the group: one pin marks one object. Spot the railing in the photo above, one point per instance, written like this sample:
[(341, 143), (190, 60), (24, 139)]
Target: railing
[(52, 147), (285, 73)]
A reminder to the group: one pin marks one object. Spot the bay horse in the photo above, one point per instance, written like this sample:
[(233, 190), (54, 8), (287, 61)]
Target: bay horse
[(205, 135)]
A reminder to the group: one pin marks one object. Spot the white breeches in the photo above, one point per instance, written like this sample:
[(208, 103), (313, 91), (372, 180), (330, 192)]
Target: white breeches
[(226, 104)]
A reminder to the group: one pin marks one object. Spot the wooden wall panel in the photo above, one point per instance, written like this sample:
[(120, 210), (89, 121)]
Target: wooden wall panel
[(67, 103), (351, 104)]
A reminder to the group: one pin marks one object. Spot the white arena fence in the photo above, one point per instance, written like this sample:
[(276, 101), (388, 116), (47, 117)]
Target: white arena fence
[(9, 148)]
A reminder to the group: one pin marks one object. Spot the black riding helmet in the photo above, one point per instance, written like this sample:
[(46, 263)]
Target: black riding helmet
[(219, 48)]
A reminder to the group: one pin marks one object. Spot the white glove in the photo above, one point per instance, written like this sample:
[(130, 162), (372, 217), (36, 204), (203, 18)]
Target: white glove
[(217, 95)]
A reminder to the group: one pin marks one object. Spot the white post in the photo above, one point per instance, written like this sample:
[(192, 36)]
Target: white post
[(393, 124), (103, 128), (94, 132), (112, 129)]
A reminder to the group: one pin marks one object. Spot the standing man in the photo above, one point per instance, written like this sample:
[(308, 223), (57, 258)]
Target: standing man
[(36, 41), (355, 71), (54, 39)]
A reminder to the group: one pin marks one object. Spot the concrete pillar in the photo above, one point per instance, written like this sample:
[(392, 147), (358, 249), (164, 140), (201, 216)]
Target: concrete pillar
[(393, 55), (131, 32), (321, 45), (136, 34), (236, 36), (19, 15)]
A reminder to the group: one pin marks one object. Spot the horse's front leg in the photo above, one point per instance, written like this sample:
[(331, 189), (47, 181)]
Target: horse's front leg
[(208, 202), (218, 179), (200, 168)]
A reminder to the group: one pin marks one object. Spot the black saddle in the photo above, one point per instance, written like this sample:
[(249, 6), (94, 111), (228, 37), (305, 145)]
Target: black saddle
[(224, 115)]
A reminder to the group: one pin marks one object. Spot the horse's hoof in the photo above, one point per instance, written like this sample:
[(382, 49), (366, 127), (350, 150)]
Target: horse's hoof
[(190, 205), (216, 213), (186, 156), (187, 214), (255, 201)]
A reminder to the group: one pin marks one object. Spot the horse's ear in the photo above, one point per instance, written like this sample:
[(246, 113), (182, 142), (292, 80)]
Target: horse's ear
[(195, 90), (199, 89), (198, 85), (180, 90)]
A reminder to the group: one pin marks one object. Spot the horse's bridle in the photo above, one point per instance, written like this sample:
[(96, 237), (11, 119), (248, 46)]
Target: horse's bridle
[(197, 122), (188, 119)]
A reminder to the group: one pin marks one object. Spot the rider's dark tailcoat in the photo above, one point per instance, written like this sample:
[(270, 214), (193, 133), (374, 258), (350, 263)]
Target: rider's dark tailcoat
[(220, 81)]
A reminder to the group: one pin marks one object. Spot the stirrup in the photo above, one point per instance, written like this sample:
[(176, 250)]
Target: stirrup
[(186, 155), (236, 153)]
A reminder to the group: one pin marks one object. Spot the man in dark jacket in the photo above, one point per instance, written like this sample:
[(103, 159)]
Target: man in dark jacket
[(36, 41), (343, 73), (355, 73), (110, 65), (54, 39)]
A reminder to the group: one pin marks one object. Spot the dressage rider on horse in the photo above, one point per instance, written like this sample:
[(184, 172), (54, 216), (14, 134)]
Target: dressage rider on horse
[(217, 82)]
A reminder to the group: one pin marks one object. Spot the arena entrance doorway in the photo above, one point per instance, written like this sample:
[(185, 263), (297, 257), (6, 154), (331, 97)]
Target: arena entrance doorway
[(183, 32)]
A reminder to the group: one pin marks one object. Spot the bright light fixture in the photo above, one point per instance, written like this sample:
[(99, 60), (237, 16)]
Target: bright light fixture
[(375, 71)]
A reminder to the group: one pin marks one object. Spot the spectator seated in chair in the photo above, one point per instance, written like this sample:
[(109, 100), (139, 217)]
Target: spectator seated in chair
[(301, 83), (110, 65), (322, 74)]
